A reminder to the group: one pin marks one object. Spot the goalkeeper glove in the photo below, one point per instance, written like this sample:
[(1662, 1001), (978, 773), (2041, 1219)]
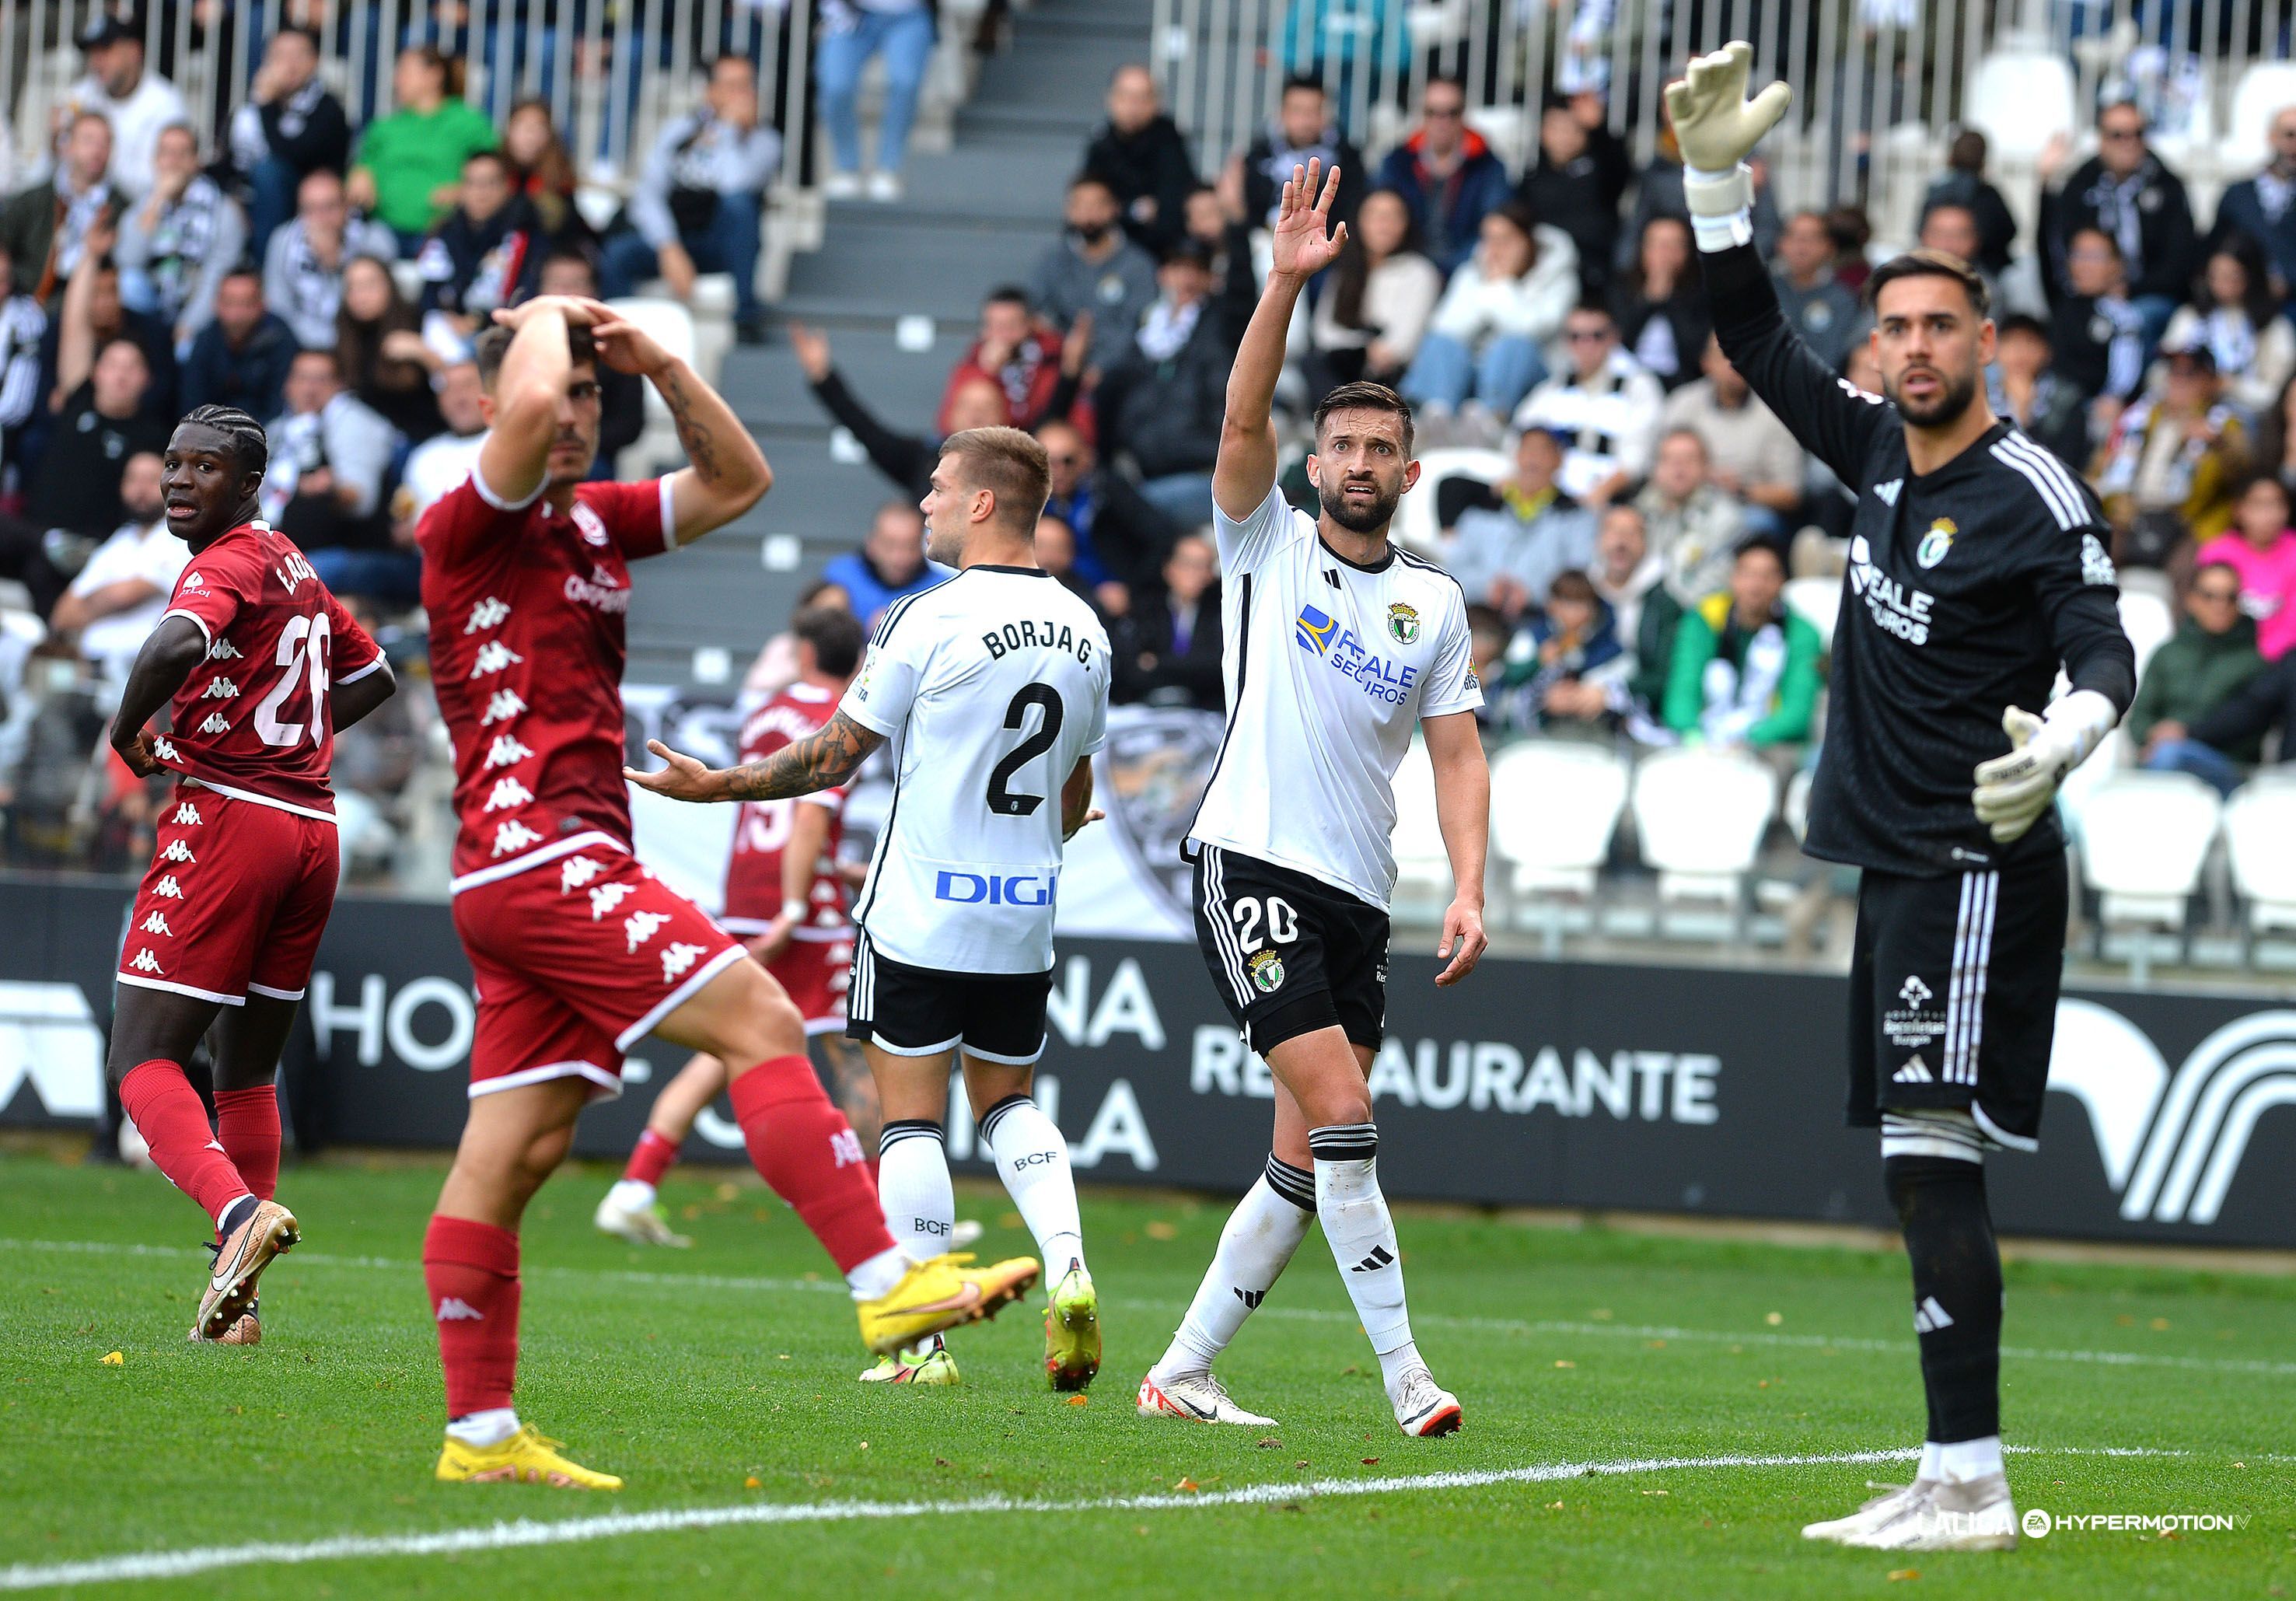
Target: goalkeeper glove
[(2014, 791), (1717, 128)]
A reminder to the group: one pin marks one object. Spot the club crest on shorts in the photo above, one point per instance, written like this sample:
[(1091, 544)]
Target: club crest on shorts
[(1267, 970), (1402, 624), (1937, 542)]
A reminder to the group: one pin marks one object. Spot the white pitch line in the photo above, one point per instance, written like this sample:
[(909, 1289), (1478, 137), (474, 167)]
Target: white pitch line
[(1503, 1325), (534, 1531)]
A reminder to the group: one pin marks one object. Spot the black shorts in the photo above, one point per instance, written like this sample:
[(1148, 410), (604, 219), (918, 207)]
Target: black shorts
[(924, 1012), (1953, 995), (1288, 954)]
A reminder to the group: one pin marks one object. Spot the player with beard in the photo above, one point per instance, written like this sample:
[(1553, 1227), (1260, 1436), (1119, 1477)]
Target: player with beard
[(259, 666), (1337, 645), (1977, 566)]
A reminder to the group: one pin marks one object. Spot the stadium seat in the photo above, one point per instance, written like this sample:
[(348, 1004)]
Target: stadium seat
[(1797, 804), (2264, 89), (2110, 757), (1554, 807), (1416, 529), (2148, 622), (2145, 839), (1818, 602), (1423, 867), (671, 324), (2020, 97), (1699, 814), (2259, 827)]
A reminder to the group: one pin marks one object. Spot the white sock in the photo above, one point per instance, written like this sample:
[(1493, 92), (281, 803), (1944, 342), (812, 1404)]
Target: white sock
[(1962, 1460), (1262, 1233), (1032, 1159), (482, 1429), (878, 1275), (1394, 1364), (1932, 1461), (913, 1188), (631, 1194), (1361, 1234)]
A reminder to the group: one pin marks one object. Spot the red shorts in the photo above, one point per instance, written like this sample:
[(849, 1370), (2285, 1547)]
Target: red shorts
[(234, 901), (577, 959), (815, 971)]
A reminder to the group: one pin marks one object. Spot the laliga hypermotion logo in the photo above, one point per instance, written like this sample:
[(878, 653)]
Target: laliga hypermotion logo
[(2172, 1142)]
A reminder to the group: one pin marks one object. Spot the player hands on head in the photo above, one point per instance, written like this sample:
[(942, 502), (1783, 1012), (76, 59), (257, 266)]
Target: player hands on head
[(990, 692), (578, 950), (1338, 645), (258, 665), (1978, 566)]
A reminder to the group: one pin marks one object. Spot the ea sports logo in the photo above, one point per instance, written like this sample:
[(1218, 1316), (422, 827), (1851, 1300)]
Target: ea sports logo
[(1402, 624), (1267, 970)]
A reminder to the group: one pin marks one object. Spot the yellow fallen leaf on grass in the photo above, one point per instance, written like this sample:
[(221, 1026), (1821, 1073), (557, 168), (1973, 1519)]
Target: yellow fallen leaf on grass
[(753, 1483), (1560, 1363), (1897, 1573), (113, 1358)]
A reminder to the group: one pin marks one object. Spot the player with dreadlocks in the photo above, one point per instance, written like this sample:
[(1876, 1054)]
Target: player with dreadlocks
[(259, 666)]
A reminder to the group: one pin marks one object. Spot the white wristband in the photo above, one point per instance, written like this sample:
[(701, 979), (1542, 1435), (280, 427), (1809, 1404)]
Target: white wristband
[(1721, 206), (2082, 719)]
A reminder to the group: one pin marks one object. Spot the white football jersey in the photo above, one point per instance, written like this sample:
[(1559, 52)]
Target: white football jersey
[(989, 687), (1328, 666)]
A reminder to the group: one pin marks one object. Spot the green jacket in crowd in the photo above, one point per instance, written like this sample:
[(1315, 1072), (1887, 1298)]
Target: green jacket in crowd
[(2194, 674)]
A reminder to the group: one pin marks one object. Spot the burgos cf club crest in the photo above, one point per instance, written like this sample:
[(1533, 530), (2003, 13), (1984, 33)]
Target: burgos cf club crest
[(1402, 624), (1936, 543), (1267, 970)]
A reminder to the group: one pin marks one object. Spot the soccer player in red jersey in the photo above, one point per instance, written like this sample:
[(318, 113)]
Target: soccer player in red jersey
[(578, 950), (259, 666), (785, 897)]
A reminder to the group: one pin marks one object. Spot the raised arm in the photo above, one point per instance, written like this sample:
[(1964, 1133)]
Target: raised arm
[(1719, 128), (1245, 470), (728, 474), (515, 458), (828, 756), (1462, 813)]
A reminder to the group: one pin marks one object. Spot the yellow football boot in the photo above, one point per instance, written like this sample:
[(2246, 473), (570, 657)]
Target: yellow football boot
[(1073, 1331), (526, 1457), (940, 1294)]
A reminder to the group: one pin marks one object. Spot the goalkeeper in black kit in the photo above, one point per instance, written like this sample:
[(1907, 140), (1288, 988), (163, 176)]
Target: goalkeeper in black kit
[(1978, 565)]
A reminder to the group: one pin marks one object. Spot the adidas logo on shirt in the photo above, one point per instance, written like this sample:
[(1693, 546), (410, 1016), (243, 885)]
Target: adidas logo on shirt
[(1888, 492), (456, 1309), (1914, 1071), (1929, 1316)]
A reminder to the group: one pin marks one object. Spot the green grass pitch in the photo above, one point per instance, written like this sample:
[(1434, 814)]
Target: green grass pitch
[(723, 1378)]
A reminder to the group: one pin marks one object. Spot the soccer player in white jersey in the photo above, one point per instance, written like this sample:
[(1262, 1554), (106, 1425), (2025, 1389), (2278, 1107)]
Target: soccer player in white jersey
[(1337, 644), (993, 690)]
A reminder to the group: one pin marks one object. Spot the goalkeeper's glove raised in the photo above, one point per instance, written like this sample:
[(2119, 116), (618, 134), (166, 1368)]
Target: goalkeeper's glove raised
[(2014, 791), (1717, 128)]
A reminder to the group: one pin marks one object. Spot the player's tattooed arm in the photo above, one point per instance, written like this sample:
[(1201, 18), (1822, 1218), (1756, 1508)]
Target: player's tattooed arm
[(694, 432), (822, 759)]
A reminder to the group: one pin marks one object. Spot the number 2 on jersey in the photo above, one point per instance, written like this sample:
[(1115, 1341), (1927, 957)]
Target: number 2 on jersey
[(302, 644), (1002, 800)]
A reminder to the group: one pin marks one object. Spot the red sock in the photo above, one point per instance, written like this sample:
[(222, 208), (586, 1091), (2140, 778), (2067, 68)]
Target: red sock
[(652, 1158), (471, 1271), (801, 1144), (247, 1125), (167, 1112)]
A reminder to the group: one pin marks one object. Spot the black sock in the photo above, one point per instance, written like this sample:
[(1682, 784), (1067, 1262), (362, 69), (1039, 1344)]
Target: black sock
[(1940, 1204)]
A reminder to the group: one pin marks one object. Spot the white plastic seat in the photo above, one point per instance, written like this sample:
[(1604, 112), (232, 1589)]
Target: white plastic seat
[(1818, 602), (2259, 828), (1554, 807), (2265, 90), (1415, 528), (2020, 99), (1797, 803), (2148, 622), (2145, 839), (1699, 814), (2110, 757)]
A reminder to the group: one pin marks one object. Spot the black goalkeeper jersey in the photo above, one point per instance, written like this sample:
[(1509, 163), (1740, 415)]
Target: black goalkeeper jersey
[(1965, 590)]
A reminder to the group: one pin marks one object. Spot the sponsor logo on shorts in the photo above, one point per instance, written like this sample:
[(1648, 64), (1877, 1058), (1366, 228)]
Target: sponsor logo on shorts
[(1913, 1022), (514, 835), (178, 851), (145, 962), (185, 813), (167, 887), (677, 958), (578, 871), (157, 923), (604, 898), (1267, 970), (639, 927)]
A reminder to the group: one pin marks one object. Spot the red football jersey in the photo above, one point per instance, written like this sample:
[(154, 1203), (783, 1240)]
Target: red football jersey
[(252, 720), (753, 877), (527, 610)]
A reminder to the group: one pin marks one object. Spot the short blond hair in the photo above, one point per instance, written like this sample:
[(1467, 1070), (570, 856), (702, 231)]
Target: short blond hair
[(1011, 465)]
